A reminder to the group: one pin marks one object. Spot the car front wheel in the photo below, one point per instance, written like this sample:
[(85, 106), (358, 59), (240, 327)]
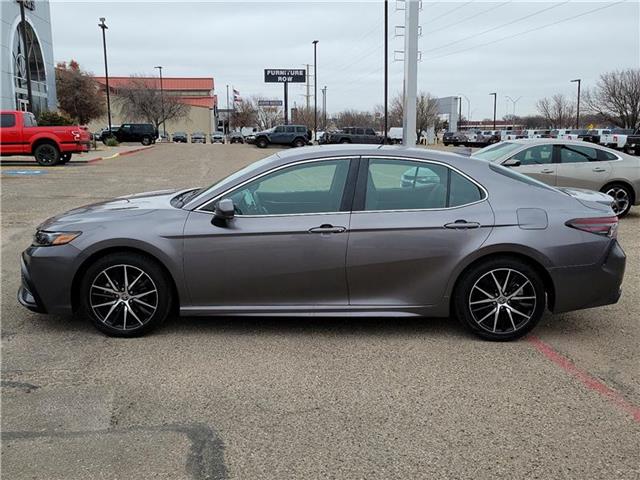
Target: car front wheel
[(125, 294), (500, 299)]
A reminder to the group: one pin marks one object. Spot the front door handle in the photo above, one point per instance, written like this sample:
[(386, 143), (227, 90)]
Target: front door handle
[(547, 170), (327, 228), (462, 225), (599, 169)]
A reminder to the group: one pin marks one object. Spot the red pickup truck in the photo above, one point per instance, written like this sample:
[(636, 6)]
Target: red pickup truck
[(20, 135)]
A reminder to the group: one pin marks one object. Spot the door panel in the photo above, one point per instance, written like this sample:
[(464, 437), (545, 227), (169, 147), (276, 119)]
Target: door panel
[(10, 138), (580, 167), (537, 162), (268, 260)]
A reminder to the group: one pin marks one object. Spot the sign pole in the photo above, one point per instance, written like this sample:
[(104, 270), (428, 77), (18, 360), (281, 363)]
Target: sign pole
[(286, 103)]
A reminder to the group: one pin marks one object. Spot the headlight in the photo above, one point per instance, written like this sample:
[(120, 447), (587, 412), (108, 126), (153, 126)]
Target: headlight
[(48, 239)]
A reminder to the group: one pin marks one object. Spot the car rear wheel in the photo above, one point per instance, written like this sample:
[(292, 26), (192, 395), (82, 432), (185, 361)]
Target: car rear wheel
[(146, 140), (500, 299), (622, 198), (298, 142), (262, 142), (47, 154), (125, 294)]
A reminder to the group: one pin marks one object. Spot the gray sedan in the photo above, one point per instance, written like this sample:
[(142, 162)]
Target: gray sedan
[(566, 163), (334, 231)]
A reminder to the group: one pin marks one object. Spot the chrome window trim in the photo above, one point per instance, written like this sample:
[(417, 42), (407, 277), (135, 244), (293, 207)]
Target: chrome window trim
[(370, 157)]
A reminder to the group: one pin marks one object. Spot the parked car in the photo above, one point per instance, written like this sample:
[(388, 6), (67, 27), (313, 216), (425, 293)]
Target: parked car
[(354, 135), (452, 138), (536, 133), (394, 136), (235, 137), (511, 135), (577, 134), (144, 133), (20, 135), (293, 135), (488, 137), (483, 243), (594, 135), (633, 143), (566, 163), (198, 137), (180, 137), (617, 138)]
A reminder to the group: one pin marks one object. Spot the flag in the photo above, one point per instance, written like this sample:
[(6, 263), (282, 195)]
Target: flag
[(236, 92)]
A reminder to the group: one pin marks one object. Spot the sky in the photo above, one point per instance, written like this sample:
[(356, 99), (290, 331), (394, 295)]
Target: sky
[(523, 50)]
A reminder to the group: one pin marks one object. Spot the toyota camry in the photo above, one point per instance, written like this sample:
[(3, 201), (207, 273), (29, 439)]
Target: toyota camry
[(334, 231)]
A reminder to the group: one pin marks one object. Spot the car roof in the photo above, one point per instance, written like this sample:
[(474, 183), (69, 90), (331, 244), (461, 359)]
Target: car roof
[(534, 141)]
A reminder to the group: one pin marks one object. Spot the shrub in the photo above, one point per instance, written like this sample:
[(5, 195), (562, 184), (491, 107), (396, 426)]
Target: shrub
[(111, 142), (47, 119)]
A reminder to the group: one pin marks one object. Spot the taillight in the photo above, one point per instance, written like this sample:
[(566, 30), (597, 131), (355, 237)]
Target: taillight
[(607, 226)]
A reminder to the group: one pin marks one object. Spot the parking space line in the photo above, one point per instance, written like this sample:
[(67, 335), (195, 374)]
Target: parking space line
[(584, 377)]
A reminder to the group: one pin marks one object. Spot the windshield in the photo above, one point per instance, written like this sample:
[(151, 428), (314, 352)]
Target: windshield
[(497, 151), (234, 176)]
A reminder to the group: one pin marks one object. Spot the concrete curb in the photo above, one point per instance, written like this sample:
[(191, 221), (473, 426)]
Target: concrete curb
[(119, 154)]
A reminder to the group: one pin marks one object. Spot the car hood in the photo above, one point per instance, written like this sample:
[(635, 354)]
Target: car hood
[(120, 207), (589, 198)]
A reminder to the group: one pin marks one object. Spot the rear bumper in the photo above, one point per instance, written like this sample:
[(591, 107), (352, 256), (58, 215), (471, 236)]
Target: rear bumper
[(588, 286)]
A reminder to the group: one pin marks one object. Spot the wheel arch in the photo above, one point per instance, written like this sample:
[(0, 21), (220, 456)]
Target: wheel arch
[(42, 140), (94, 256)]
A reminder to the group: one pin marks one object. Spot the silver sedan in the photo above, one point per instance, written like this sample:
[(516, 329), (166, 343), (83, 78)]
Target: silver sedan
[(566, 163), (333, 231)]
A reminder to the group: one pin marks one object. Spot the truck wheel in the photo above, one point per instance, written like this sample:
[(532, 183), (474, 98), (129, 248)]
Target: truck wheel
[(65, 158), (146, 140), (262, 142), (298, 142), (47, 154), (345, 140)]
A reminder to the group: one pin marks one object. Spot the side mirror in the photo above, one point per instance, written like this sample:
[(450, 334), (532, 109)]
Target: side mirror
[(512, 162), (225, 210)]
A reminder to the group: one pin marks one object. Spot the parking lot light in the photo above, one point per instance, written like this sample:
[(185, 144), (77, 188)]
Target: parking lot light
[(104, 27), (495, 100), (578, 81), (315, 90)]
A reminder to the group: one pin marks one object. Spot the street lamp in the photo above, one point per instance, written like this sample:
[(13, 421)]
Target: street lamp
[(324, 106), (578, 81), (315, 91), (104, 27), (386, 70), (495, 100), (164, 126)]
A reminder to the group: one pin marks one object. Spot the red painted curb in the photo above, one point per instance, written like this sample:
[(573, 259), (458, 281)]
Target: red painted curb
[(585, 378), (119, 154)]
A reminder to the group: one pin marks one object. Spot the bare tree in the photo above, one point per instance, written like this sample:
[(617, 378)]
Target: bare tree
[(141, 100), (557, 111), (426, 112), (355, 118), (616, 97), (244, 115), (78, 93), (266, 117)]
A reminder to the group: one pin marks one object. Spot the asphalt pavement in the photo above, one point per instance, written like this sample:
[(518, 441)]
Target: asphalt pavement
[(256, 398)]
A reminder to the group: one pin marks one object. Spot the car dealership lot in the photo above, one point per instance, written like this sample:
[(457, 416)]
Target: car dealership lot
[(302, 398)]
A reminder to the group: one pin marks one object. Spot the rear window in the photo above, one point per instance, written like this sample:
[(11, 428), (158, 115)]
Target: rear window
[(7, 120)]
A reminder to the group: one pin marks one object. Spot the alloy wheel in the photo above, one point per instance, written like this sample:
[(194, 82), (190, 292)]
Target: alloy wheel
[(502, 301), (621, 199), (123, 297), (47, 155)]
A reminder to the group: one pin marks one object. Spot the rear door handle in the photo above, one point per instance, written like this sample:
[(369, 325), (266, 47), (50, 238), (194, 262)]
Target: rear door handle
[(599, 169), (547, 170), (326, 228), (462, 225)]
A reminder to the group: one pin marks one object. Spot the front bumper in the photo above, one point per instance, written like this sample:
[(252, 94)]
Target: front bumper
[(588, 286), (27, 294)]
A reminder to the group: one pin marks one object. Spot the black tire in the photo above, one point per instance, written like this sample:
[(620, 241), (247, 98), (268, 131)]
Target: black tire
[(345, 140), (446, 144), (65, 158), (262, 142), (94, 286), (623, 196), (146, 140), (299, 142), (47, 154), (473, 307)]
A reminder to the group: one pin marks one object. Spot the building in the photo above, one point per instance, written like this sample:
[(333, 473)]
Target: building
[(196, 92), (13, 80)]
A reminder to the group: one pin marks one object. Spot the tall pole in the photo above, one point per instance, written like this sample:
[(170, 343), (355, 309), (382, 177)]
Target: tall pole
[(495, 101), (164, 126), (578, 81), (409, 134), (104, 27), (25, 45), (308, 95), (286, 103), (315, 90), (324, 107), (386, 71), (459, 113), (228, 123)]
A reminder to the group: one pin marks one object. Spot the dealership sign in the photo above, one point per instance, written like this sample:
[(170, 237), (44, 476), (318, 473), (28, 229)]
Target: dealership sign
[(296, 75), (269, 103)]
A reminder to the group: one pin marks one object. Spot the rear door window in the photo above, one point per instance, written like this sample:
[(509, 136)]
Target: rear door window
[(7, 120), (291, 129), (577, 154)]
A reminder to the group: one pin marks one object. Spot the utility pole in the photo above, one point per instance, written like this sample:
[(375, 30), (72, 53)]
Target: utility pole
[(578, 81), (25, 46), (164, 126), (324, 107), (315, 90), (228, 120), (104, 27), (386, 71), (459, 113), (286, 103), (308, 95), (412, 10), (495, 100)]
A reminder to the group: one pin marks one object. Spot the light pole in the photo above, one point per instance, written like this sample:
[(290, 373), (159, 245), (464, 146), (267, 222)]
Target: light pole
[(514, 103), (25, 46), (468, 107), (104, 27), (578, 81), (495, 100), (315, 90), (228, 129), (324, 107), (164, 126), (386, 70)]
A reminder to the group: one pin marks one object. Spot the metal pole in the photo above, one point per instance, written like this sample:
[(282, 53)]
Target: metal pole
[(286, 103), (459, 112), (386, 71), (579, 81), (495, 101), (324, 107), (228, 123), (409, 134), (315, 90), (104, 27), (25, 45), (164, 126)]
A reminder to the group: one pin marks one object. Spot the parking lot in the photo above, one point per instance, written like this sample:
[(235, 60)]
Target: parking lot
[(252, 398)]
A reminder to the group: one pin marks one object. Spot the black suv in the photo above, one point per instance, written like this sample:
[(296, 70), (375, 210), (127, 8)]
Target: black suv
[(144, 133), (294, 135)]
